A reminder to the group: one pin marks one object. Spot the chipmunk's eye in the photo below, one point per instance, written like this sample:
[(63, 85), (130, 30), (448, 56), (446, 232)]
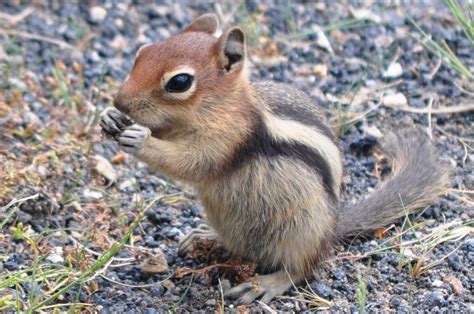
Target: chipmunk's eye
[(179, 83)]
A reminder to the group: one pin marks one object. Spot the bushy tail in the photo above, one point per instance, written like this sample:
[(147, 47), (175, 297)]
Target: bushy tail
[(418, 177)]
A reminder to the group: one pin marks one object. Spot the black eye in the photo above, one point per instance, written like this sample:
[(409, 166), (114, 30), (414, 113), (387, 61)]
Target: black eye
[(179, 83)]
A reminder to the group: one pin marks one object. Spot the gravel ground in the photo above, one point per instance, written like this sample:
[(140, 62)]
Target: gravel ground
[(52, 86)]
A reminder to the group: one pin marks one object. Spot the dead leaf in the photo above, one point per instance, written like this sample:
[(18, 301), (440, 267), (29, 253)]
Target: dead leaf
[(183, 271), (4, 109), (77, 67), (105, 168), (320, 69), (381, 233), (455, 283), (119, 158), (154, 263)]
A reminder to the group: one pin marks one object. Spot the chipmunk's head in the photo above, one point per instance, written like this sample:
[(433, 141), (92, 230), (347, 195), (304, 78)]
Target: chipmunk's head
[(172, 80)]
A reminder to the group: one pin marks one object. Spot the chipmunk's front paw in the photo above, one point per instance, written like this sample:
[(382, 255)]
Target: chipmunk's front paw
[(113, 122), (133, 139)]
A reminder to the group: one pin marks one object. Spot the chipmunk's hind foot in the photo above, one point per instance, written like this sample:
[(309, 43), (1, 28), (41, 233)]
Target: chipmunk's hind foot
[(202, 232), (266, 286)]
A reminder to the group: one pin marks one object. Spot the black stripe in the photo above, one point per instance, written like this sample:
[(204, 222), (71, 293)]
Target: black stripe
[(289, 102), (305, 116), (260, 143)]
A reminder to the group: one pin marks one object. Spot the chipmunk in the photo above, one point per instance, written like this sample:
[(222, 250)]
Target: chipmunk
[(261, 156)]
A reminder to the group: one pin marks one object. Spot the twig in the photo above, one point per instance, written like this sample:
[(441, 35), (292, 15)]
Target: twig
[(461, 140), (134, 286), (435, 69), (362, 114), (442, 110), (225, 19), (92, 252), (267, 308), (63, 305), (21, 200), (14, 19), (462, 89), (430, 129), (57, 42), (462, 191)]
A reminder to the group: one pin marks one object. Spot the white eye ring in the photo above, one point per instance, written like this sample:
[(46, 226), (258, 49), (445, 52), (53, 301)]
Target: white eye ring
[(181, 70)]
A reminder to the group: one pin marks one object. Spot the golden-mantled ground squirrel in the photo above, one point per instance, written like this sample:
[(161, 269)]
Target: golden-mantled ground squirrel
[(261, 156)]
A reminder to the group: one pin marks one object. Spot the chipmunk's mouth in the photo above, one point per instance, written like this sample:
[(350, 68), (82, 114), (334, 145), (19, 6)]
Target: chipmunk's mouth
[(156, 125)]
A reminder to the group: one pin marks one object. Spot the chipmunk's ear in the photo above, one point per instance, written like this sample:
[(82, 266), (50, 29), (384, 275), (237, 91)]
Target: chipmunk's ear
[(206, 23), (231, 49)]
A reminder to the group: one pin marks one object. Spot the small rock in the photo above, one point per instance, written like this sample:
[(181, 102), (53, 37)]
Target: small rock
[(92, 195), (365, 14), (157, 291), (168, 284), (97, 14), (395, 302), (455, 262), (322, 40), (372, 131), (322, 290), (32, 121), (127, 183), (17, 84), (395, 100), (393, 71), (56, 256), (173, 233), (435, 298), (340, 275), (211, 302), (320, 70), (437, 283)]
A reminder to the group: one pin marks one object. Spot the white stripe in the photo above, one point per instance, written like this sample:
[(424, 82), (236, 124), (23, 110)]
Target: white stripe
[(289, 130)]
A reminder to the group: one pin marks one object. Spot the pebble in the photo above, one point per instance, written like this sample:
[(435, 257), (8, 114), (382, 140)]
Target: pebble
[(395, 100), (435, 298), (57, 257), (395, 302), (97, 14), (437, 283), (130, 183), (211, 302), (393, 71), (322, 290), (455, 262), (174, 233), (91, 194)]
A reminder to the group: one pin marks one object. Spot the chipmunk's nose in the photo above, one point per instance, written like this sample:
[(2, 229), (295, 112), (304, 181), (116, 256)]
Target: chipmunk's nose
[(120, 104)]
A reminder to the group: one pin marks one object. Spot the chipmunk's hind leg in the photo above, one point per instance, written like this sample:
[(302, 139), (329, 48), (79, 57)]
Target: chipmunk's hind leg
[(267, 286), (203, 232)]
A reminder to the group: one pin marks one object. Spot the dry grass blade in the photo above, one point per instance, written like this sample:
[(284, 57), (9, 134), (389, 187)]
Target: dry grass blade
[(441, 110), (308, 296), (59, 43), (442, 50), (14, 19)]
